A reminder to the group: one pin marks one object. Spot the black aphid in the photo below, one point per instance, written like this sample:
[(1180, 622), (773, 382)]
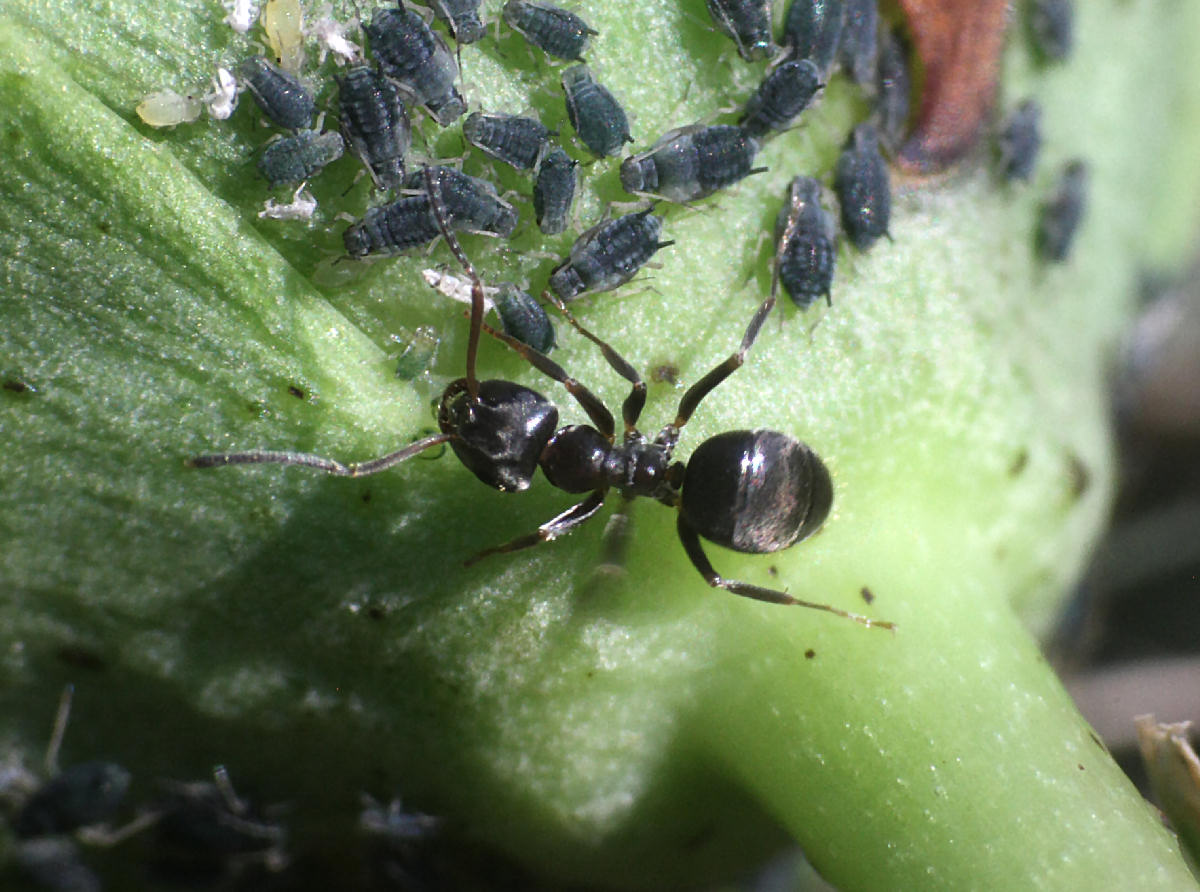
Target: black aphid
[(804, 234), (863, 188), (554, 190), (691, 162), (554, 31), (813, 30), (784, 93), (747, 22), (893, 94), (409, 52), (512, 139), (860, 48), (1052, 27), (375, 123), (462, 16), (1020, 141), (755, 491), (281, 96), (468, 202), (1063, 213), (392, 228), (607, 255), (296, 158), (594, 113), (524, 318)]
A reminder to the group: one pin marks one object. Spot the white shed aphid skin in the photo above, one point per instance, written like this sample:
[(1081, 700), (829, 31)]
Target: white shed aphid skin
[(222, 99), (331, 37), (301, 207), (166, 108), (241, 14), (283, 20), (457, 289)]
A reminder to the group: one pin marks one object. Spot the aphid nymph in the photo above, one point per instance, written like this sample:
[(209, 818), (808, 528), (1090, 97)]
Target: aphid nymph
[(296, 158), (812, 30), (1020, 141), (515, 140), (863, 188), (594, 113), (554, 190), (805, 254), (692, 162), (280, 95), (747, 22), (783, 94), (607, 255), (375, 123), (555, 31), (414, 56), (1063, 213)]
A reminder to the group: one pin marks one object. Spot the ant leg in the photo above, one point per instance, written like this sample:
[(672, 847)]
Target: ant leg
[(616, 539), (600, 417), (705, 385), (695, 551), (631, 409), (551, 529), (60, 728), (433, 187), (307, 460)]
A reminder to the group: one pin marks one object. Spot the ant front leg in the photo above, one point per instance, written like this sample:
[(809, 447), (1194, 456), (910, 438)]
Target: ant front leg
[(695, 551), (552, 529)]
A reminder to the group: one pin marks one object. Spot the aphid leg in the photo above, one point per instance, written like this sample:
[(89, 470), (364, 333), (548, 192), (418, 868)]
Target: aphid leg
[(616, 540), (695, 551), (60, 728), (317, 462), (550, 530), (224, 786), (631, 409), (702, 388), (597, 412)]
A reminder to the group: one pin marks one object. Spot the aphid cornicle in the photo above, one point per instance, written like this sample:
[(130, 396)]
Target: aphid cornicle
[(863, 188), (281, 96), (754, 491), (555, 31), (691, 162), (1063, 213), (747, 22), (859, 47), (805, 254), (418, 59), (375, 123), (783, 94), (515, 140), (392, 228), (1052, 27), (1020, 140), (607, 255), (468, 202), (554, 190), (296, 158), (594, 113), (462, 16), (812, 30)]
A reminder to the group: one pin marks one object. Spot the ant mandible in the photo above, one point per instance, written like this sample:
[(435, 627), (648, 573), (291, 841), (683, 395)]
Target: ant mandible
[(754, 491)]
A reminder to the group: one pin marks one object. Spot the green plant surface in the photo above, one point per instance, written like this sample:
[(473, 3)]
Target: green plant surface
[(320, 636)]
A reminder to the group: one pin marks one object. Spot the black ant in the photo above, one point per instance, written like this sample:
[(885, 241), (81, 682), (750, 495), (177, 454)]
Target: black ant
[(753, 491)]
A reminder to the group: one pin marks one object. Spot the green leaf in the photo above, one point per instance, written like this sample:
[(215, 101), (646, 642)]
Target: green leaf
[(320, 636)]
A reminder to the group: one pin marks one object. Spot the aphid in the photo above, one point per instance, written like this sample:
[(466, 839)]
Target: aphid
[(1020, 140), (813, 30), (283, 20), (512, 139), (554, 31), (524, 318), (462, 16), (375, 124), (805, 255), (755, 491), (554, 190), (241, 14), (748, 22), (863, 188), (594, 113), (468, 202), (222, 98), (294, 159), (331, 36), (859, 45), (166, 108), (418, 353), (412, 54), (392, 228), (691, 162), (607, 255), (893, 91), (1052, 27), (1062, 214), (783, 94), (281, 96), (302, 207)]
